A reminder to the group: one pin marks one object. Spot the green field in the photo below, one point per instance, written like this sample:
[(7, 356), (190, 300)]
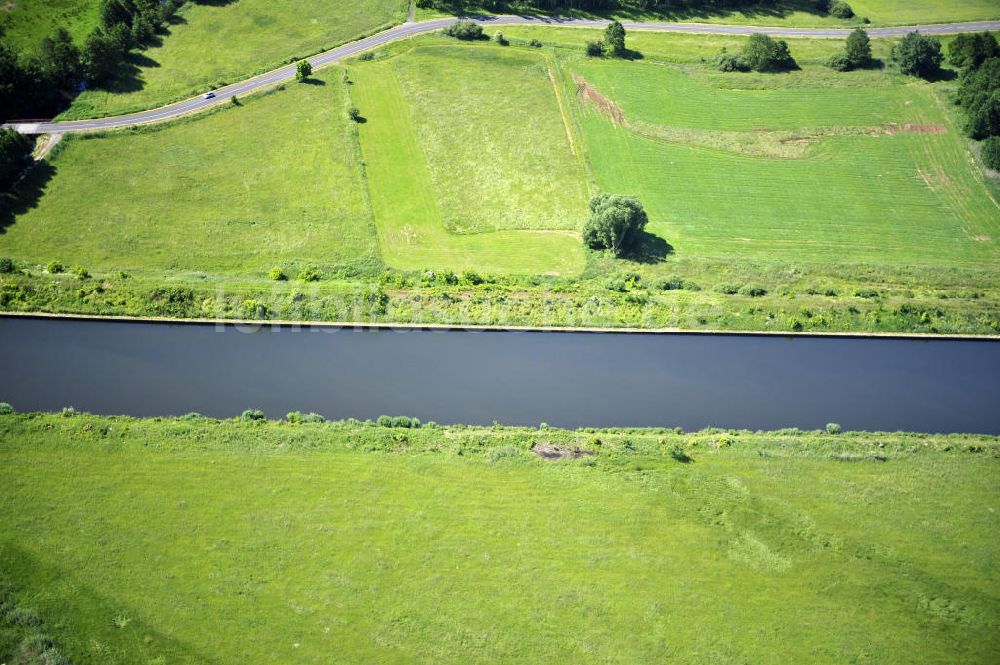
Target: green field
[(214, 42), (869, 191), (25, 23), (458, 182), (271, 183), (852, 201), (175, 541)]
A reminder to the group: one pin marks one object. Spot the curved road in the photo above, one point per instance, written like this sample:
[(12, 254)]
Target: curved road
[(287, 72)]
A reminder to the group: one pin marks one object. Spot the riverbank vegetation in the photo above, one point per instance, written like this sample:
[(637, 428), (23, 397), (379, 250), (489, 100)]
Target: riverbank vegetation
[(129, 540), (457, 191)]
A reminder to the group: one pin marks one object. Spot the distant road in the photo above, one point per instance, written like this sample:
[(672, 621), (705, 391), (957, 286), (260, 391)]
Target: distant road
[(287, 73)]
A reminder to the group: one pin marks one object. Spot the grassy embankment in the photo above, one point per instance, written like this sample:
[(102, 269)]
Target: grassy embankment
[(145, 540), (213, 43), (827, 201)]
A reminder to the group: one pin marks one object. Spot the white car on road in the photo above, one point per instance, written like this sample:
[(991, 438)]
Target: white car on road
[(208, 95)]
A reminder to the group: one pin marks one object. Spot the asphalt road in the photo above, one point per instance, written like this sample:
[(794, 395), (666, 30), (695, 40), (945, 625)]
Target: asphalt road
[(287, 72)]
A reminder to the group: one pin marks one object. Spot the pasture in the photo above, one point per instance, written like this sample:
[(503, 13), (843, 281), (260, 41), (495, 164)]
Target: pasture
[(210, 43), (460, 181), (25, 24), (150, 540), (271, 183)]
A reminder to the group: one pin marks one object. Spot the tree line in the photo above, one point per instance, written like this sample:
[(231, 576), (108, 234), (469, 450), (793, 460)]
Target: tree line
[(977, 56), (37, 84)]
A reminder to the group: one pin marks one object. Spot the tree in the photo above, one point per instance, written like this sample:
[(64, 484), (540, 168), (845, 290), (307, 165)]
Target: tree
[(763, 54), (841, 9), (12, 83), (979, 95), (59, 59), (858, 48), (969, 51), (918, 55), (101, 56), (615, 222), (991, 152), (614, 39), (303, 70), (15, 155), (594, 49)]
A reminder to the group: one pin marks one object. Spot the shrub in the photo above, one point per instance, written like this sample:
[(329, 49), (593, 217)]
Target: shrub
[(534, 43), (794, 324), (6, 265), (841, 9), (832, 428), (354, 114), (866, 293), (969, 51), (917, 55), (839, 62), (728, 289), (69, 412), (22, 616), (367, 56), (594, 49), (313, 418), (6, 409), (497, 454), (253, 415), (277, 274), (401, 421), (309, 274), (764, 54), (384, 421), (80, 272), (36, 644), (991, 152), (55, 267), (192, 415), (254, 309), (678, 453), (500, 39), (753, 291), (464, 29), (615, 222), (731, 62)]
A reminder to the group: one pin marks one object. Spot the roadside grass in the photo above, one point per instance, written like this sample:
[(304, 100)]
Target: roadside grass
[(239, 191), (882, 195), (24, 24), (784, 13), (443, 157), (139, 540), (211, 43)]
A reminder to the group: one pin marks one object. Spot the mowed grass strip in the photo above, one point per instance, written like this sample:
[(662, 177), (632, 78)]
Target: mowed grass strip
[(236, 192), (497, 143), (140, 541), (409, 212), (668, 95), (213, 42)]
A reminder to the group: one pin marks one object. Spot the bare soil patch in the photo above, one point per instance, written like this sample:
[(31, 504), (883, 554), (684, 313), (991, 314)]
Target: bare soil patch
[(915, 129), (549, 452), (590, 95)]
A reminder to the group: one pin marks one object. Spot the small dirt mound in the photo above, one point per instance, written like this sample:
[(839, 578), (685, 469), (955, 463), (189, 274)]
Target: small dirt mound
[(915, 129), (549, 452), (590, 95)]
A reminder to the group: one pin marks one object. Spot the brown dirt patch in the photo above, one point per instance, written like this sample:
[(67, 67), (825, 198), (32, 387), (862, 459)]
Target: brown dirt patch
[(590, 95), (915, 129), (981, 238), (549, 452)]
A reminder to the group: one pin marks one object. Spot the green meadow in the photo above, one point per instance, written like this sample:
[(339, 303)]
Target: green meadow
[(458, 182), (201, 541), (272, 183), (211, 43), (25, 24), (808, 200)]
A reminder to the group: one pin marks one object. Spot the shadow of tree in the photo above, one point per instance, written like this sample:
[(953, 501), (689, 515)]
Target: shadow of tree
[(76, 628), (649, 248), (26, 193), (312, 81), (695, 10)]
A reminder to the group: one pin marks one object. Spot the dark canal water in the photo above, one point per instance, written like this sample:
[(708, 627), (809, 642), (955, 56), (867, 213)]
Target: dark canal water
[(564, 379)]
